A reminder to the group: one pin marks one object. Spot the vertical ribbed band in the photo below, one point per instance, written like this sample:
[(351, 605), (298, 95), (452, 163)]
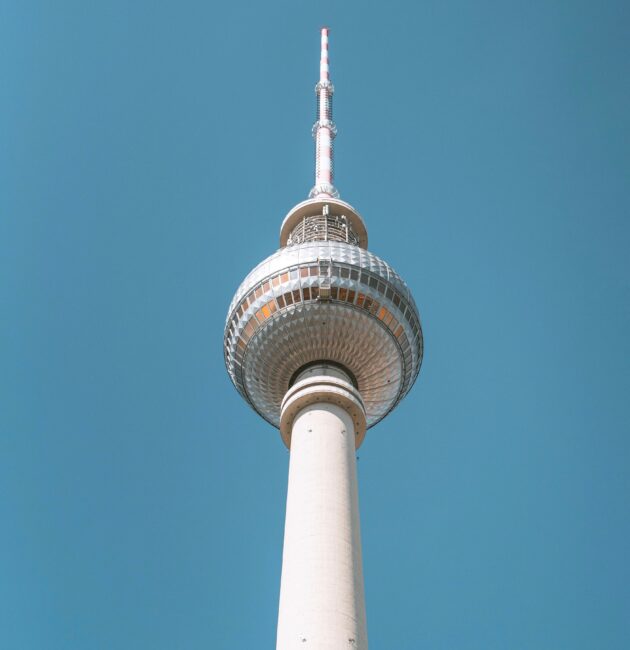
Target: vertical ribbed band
[(324, 129)]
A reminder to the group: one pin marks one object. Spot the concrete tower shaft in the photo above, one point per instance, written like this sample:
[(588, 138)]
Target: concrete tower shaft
[(321, 593)]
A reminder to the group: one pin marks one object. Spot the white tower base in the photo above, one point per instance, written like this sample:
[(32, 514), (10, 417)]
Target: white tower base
[(322, 604)]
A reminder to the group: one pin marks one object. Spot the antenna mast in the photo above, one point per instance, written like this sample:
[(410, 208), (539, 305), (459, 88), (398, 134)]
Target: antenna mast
[(324, 129)]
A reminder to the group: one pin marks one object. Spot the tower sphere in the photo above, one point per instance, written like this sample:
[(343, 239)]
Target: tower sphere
[(322, 297)]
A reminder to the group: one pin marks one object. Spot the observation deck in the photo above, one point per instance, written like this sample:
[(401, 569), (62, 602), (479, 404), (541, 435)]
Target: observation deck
[(323, 300)]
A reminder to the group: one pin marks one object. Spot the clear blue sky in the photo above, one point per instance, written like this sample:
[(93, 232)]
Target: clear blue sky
[(149, 153)]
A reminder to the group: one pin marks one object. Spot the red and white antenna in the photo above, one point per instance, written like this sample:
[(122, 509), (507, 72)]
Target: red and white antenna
[(324, 129)]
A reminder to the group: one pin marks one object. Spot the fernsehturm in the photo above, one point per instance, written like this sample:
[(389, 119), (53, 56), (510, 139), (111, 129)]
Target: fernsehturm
[(323, 340)]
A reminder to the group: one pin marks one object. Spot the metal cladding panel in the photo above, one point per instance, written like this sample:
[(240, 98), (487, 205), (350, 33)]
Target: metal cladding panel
[(323, 301), (315, 331), (339, 251)]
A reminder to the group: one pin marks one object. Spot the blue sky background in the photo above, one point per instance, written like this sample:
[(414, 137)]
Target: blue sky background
[(149, 153)]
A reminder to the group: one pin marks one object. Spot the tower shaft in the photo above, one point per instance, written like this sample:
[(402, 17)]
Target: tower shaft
[(322, 602)]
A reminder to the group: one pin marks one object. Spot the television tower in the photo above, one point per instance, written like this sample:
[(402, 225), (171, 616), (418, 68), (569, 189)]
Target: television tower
[(323, 340)]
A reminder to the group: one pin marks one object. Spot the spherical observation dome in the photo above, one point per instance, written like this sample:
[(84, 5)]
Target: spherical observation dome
[(323, 299)]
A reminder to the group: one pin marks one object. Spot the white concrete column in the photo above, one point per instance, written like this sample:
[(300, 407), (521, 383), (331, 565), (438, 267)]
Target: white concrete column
[(322, 603)]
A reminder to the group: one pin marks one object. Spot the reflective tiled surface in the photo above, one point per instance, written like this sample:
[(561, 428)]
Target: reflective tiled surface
[(323, 301)]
